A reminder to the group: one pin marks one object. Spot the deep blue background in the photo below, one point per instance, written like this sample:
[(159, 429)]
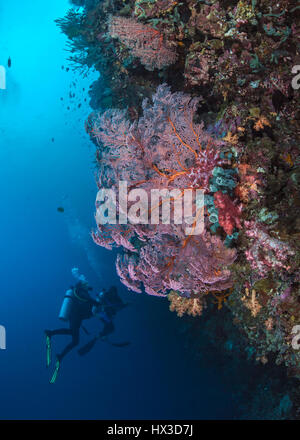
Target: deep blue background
[(155, 377)]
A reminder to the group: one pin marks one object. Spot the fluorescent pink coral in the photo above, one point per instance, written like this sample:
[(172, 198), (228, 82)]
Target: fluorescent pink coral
[(145, 42), (229, 213)]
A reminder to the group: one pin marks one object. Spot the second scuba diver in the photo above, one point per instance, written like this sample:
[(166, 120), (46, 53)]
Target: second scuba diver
[(77, 306)]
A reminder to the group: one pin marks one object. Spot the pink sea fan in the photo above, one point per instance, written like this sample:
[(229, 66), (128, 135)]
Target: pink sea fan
[(165, 148), (110, 128), (164, 264), (145, 42), (165, 138), (110, 236), (124, 268)]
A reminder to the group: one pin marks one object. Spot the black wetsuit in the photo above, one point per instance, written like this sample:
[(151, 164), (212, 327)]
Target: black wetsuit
[(83, 310)]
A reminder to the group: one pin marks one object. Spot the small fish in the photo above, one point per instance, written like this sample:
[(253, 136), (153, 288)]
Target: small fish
[(52, 140), (9, 62), (60, 209), (67, 69)]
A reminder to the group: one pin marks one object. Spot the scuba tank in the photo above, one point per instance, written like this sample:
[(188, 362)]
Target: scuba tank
[(76, 303), (67, 305)]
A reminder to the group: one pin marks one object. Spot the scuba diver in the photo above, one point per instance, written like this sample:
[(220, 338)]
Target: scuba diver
[(77, 306)]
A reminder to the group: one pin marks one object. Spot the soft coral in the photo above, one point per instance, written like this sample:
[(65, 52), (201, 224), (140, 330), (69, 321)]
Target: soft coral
[(229, 213)]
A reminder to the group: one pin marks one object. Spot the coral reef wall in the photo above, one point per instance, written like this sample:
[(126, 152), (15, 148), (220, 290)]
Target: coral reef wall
[(203, 95)]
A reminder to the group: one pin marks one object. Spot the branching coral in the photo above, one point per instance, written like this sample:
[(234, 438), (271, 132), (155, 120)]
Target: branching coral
[(251, 302), (182, 305)]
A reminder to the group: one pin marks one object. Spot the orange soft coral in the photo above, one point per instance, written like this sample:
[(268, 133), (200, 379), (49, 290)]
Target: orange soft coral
[(182, 305)]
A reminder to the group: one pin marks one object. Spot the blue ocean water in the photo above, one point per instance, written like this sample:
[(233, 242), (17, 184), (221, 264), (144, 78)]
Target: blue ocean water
[(46, 161)]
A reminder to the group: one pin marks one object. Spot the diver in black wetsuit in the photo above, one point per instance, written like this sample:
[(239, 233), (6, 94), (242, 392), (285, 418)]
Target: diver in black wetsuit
[(81, 309), (80, 306)]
